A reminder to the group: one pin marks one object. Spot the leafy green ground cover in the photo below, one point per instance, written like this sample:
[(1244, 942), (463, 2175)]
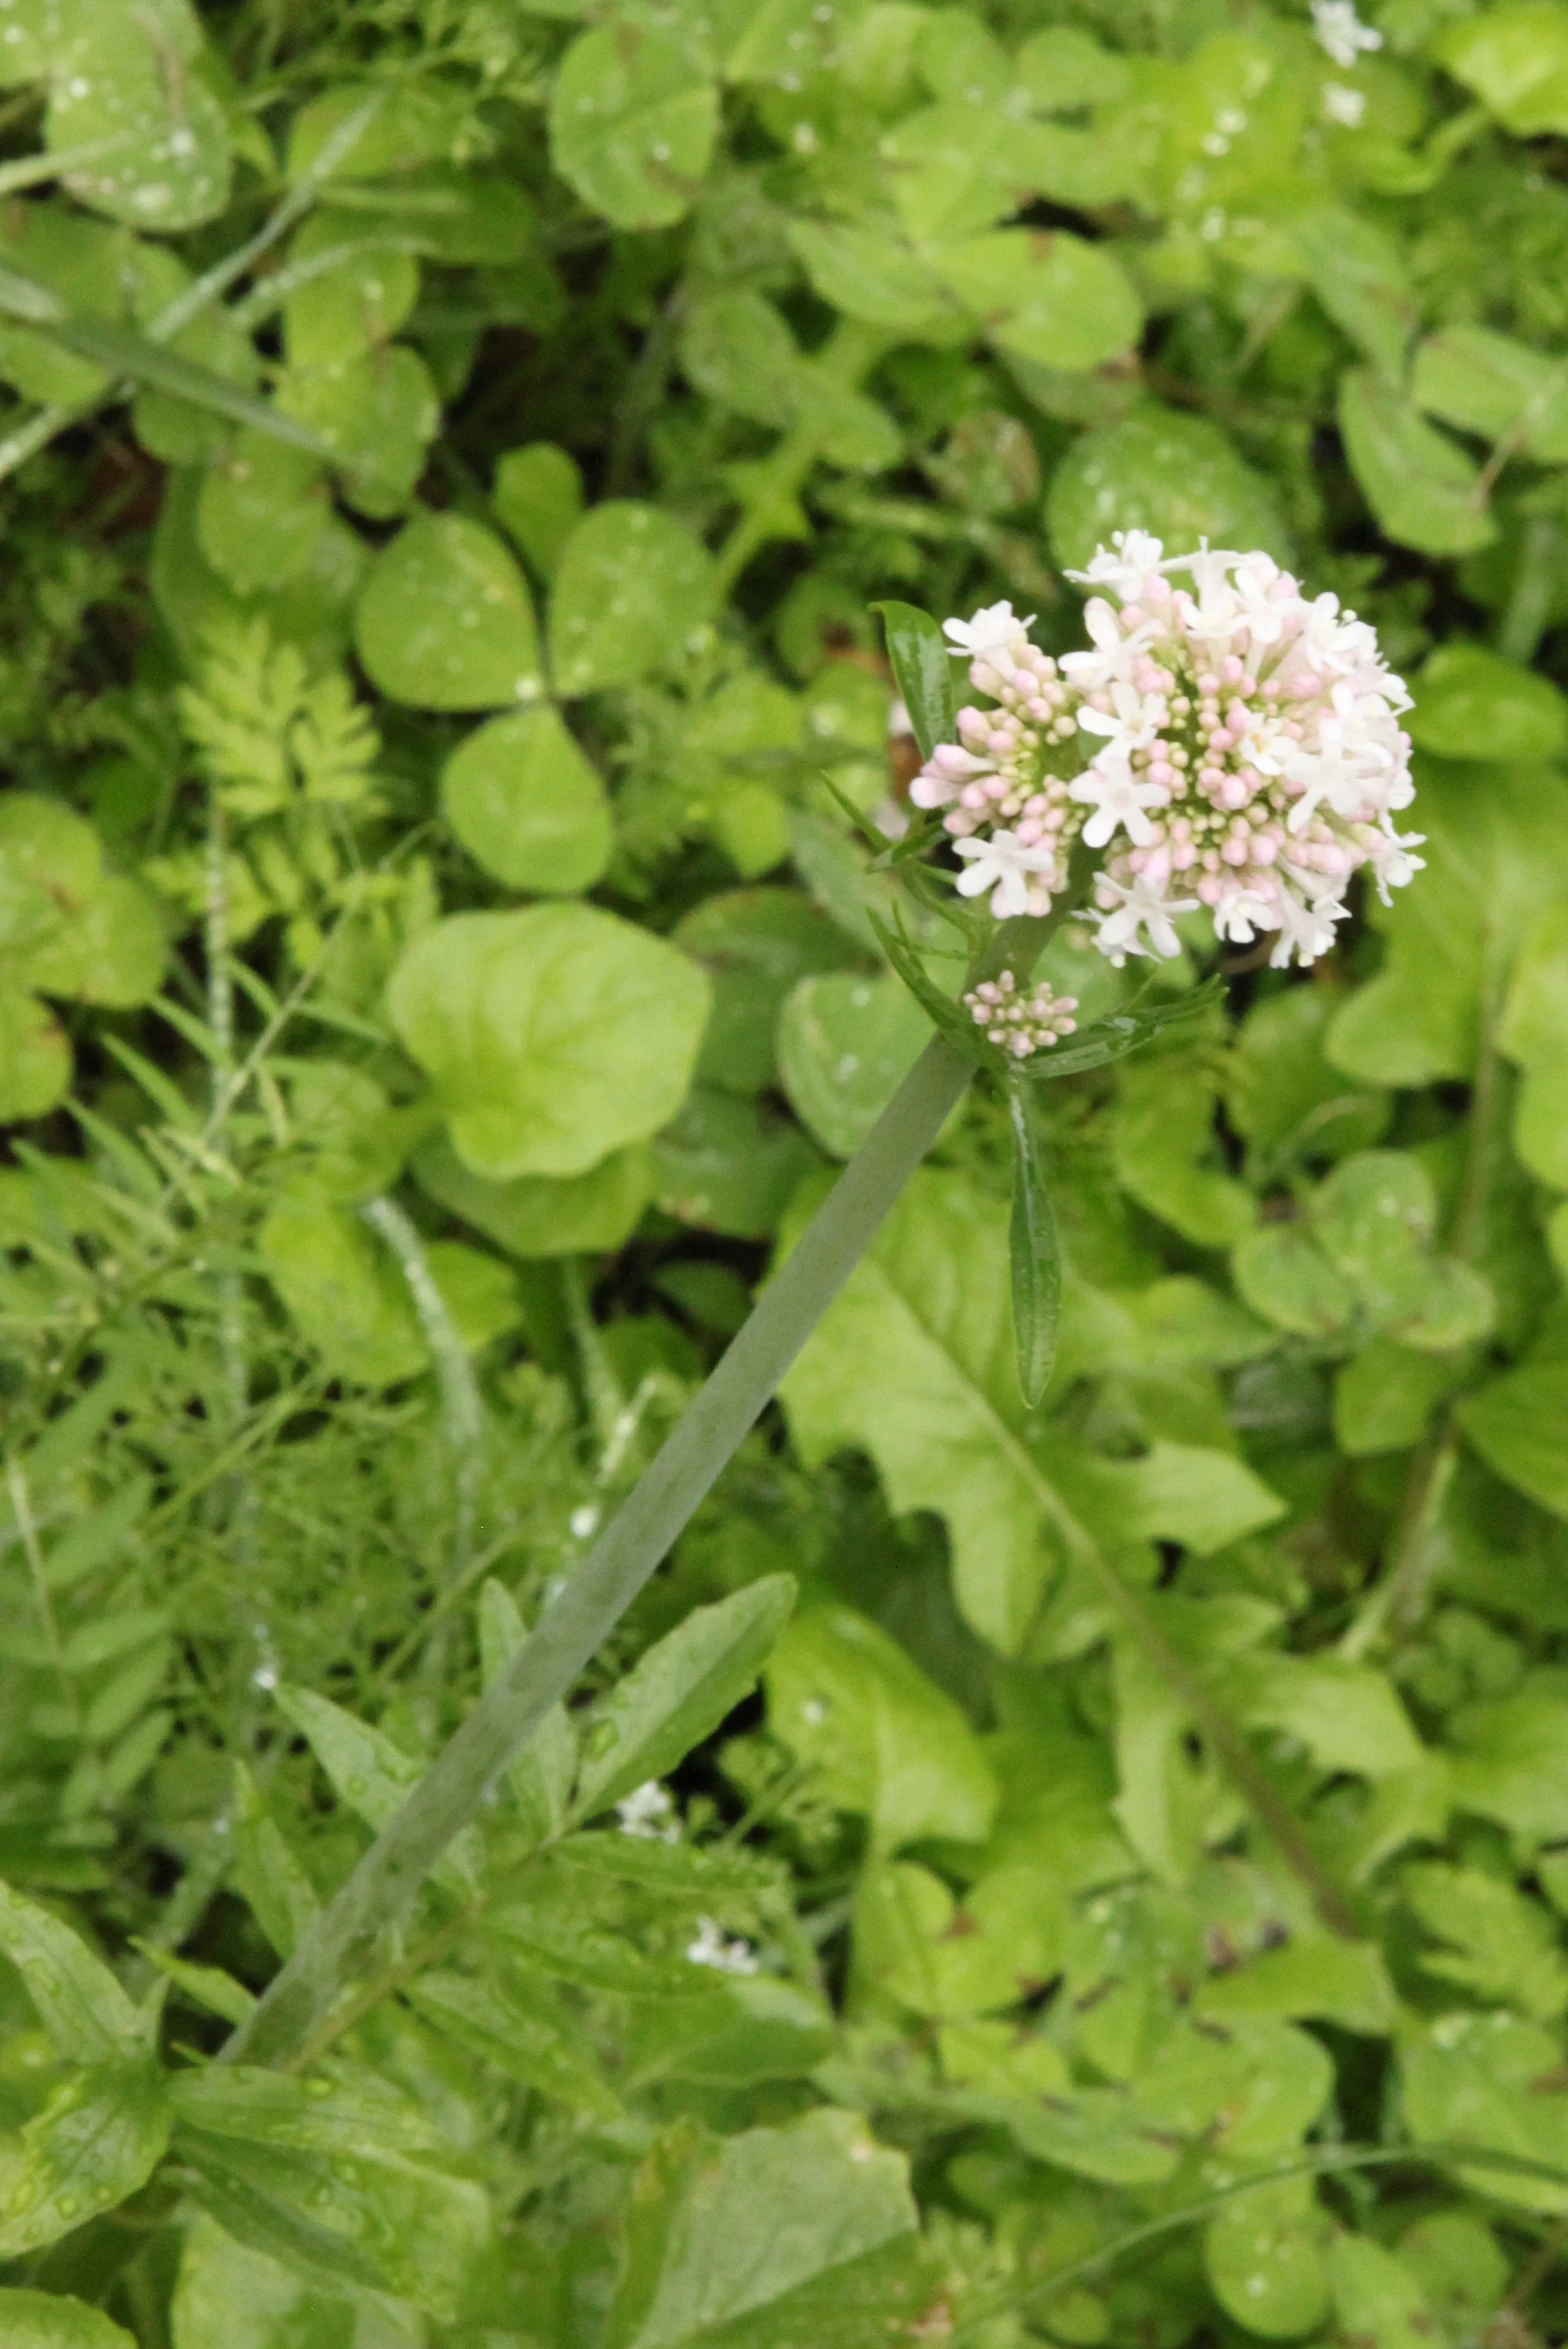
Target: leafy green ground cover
[(452, 448)]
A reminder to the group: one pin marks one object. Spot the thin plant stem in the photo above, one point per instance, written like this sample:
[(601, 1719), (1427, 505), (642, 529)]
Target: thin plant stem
[(341, 1946), (27, 1532), (460, 1404)]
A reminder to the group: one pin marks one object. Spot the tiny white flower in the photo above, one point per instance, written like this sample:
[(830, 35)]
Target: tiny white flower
[(1341, 32), (1137, 555), (1133, 721), (1118, 798), (1139, 907), (1343, 105), (945, 773), (1241, 914), (1393, 866), (1003, 865), (993, 629), (713, 1947), (1218, 612), (1305, 930), (648, 1813), (1114, 654)]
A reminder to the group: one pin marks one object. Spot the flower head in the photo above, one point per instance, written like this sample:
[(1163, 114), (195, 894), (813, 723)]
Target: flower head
[(1244, 755)]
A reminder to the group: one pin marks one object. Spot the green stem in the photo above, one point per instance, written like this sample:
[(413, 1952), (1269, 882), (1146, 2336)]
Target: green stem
[(341, 1945)]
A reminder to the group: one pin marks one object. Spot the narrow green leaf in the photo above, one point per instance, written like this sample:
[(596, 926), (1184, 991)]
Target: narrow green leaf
[(371, 1774), (80, 2004), (126, 353), (1124, 1032), (680, 1691), (923, 673), (1036, 1258)]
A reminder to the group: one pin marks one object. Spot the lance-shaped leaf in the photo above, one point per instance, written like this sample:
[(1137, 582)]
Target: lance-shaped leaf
[(87, 2015), (680, 1691), (923, 673)]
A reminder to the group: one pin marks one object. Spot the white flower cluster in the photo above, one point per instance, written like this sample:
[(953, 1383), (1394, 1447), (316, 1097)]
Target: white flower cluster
[(648, 1813), (1243, 754), (1020, 1024), (714, 1947), (1341, 32)]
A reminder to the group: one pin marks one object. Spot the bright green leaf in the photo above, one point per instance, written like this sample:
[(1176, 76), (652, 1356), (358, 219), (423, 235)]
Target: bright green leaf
[(444, 621), (527, 805), (680, 1691), (553, 1036), (883, 1739), (631, 586)]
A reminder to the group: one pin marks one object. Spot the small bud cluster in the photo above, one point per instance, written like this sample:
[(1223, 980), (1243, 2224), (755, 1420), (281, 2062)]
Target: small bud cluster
[(1246, 756), (1020, 1024)]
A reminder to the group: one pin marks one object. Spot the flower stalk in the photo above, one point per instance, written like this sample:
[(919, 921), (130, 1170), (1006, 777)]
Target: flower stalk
[(343, 1945)]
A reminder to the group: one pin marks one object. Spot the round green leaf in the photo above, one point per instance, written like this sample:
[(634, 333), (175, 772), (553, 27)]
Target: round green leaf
[(1054, 299), (261, 510), (553, 1036), (33, 35), (535, 1216), (1422, 487), (336, 314), (1264, 2255), (125, 86), (1175, 475), (633, 584), (1515, 59), (45, 2320), (845, 1044), (119, 942), (755, 944), (1472, 704), (527, 805), (1284, 1275), (444, 621), (539, 500), (378, 413), (632, 124), (35, 1056), (344, 1292)]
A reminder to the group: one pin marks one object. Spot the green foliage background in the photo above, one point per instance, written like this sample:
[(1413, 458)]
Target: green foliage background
[(451, 448)]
